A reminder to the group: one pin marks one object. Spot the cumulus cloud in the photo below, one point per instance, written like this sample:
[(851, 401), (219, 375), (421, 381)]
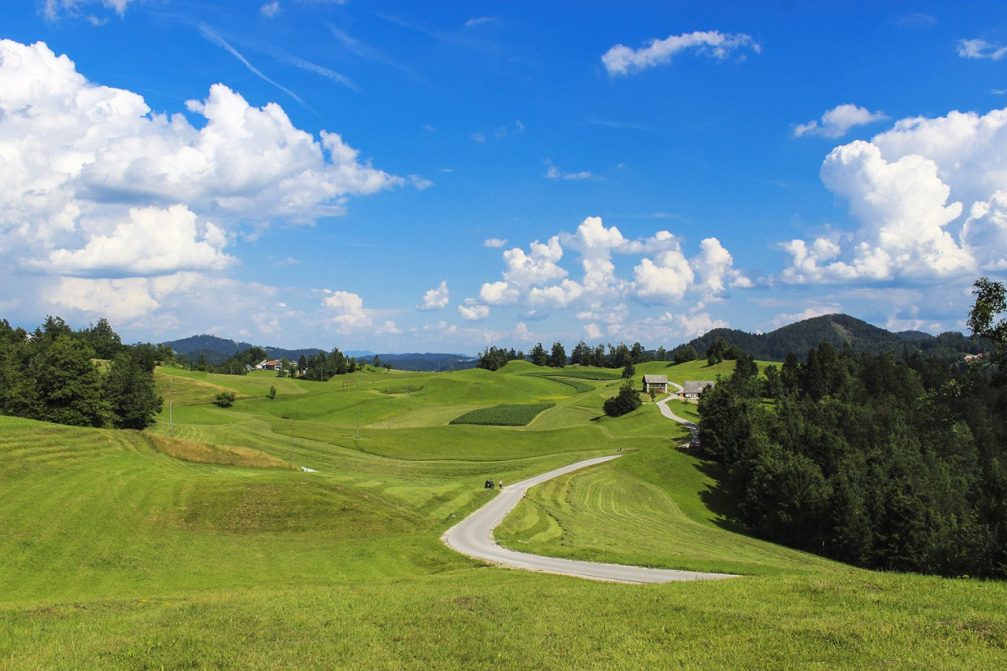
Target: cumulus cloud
[(979, 49), (153, 241), (665, 276), (838, 121), (473, 312), (93, 184), (495, 243), (345, 313), (928, 197), (436, 298), (622, 60)]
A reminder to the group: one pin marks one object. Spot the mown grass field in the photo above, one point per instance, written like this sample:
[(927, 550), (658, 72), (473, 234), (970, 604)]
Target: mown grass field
[(505, 414), (212, 549)]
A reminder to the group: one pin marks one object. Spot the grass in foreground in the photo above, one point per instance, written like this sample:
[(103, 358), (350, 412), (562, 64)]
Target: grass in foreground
[(120, 556)]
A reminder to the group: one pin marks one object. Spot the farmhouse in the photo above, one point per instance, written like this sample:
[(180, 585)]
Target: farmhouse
[(268, 364), (693, 388), (655, 383)]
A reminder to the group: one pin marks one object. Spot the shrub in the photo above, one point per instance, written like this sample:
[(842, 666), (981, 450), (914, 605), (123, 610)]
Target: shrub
[(225, 399), (627, 400)]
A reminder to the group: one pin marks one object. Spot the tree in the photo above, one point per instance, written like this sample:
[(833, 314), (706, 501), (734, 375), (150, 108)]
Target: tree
[(557, 358), (376, 362), (627, 400), (67, 385), (636, 353), (129, 391), (271, 394), (990, 301), (538, 355), (629, 371), (685, 354), (103, 339)]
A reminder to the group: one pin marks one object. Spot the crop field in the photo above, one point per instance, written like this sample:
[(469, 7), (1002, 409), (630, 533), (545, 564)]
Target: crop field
[(506, 414), (211, 548)]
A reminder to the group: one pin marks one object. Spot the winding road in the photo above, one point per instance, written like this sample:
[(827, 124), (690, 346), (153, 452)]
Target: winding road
[(473, 537)]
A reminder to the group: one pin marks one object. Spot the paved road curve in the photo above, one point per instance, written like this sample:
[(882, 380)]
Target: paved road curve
[(473, 536)]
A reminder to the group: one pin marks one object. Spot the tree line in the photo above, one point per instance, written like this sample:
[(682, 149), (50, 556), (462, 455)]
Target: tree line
[(582, 354), (880, 461), (82, 378)]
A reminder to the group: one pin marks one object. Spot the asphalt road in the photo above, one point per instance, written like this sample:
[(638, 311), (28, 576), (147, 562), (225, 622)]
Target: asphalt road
[(473, 537)]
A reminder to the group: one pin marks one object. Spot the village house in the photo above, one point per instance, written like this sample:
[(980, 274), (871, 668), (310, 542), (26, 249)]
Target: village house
[(268, 364), (693, 388), (656, 383)]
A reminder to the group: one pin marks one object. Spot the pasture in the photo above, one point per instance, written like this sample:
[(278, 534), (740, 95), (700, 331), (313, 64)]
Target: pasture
[(211, 548)]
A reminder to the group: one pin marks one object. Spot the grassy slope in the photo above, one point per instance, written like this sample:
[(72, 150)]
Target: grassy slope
[(119, 556)]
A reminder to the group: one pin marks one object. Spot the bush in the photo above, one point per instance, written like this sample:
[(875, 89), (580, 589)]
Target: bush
[(627, 400), (225, 399), (271, 394)]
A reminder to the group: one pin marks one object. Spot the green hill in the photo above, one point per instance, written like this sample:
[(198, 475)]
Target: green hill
[(839, 330), (205, 549)]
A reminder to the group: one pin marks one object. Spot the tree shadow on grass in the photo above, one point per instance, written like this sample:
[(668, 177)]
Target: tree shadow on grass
[(719, 498)]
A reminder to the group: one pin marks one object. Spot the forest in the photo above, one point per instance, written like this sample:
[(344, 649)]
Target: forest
[(83, 378), (882, 461)]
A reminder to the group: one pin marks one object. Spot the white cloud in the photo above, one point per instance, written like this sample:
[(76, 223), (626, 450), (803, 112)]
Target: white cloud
[(696, 324), (554, 173), (345, 313), (153, 241), (479, 21), (535, 267), (622, 60), (54, 9), (592, 331), (838, 121), (270, 9), (94, 184), (522, 333), (436, 298), (560, 295), (666, 278), (473, 312), (985, 232), (979, 49), (495, 243), (498, 293)]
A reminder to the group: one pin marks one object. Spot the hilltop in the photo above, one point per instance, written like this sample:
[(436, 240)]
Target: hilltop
[(216, 350), (839, 330)]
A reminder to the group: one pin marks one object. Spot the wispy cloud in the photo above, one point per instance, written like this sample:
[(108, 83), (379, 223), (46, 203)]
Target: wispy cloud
[(554, 173), (270, 9), (619, 125), (622, 60), (979, 49), (457, 39), (328, 73), (215, 38), (838, 121), (366, 52), (480, 20), (915, 20)]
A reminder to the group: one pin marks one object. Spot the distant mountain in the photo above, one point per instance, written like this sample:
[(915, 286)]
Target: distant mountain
[(429, 361), (839, 330), (217, 350)]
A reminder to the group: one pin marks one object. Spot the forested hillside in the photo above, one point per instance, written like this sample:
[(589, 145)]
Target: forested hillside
[(883, 462), (838, 330)]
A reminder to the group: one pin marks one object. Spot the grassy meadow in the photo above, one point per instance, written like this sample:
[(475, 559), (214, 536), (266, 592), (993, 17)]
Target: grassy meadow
[(210, 547)]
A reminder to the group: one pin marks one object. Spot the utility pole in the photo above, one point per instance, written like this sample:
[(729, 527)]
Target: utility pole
[(171, 397)]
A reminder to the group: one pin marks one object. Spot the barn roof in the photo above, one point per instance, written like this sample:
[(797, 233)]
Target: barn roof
[(697, 386), (655, 379)]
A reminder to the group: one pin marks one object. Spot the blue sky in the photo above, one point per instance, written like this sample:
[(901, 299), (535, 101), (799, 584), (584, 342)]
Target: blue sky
[(398, 177)]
